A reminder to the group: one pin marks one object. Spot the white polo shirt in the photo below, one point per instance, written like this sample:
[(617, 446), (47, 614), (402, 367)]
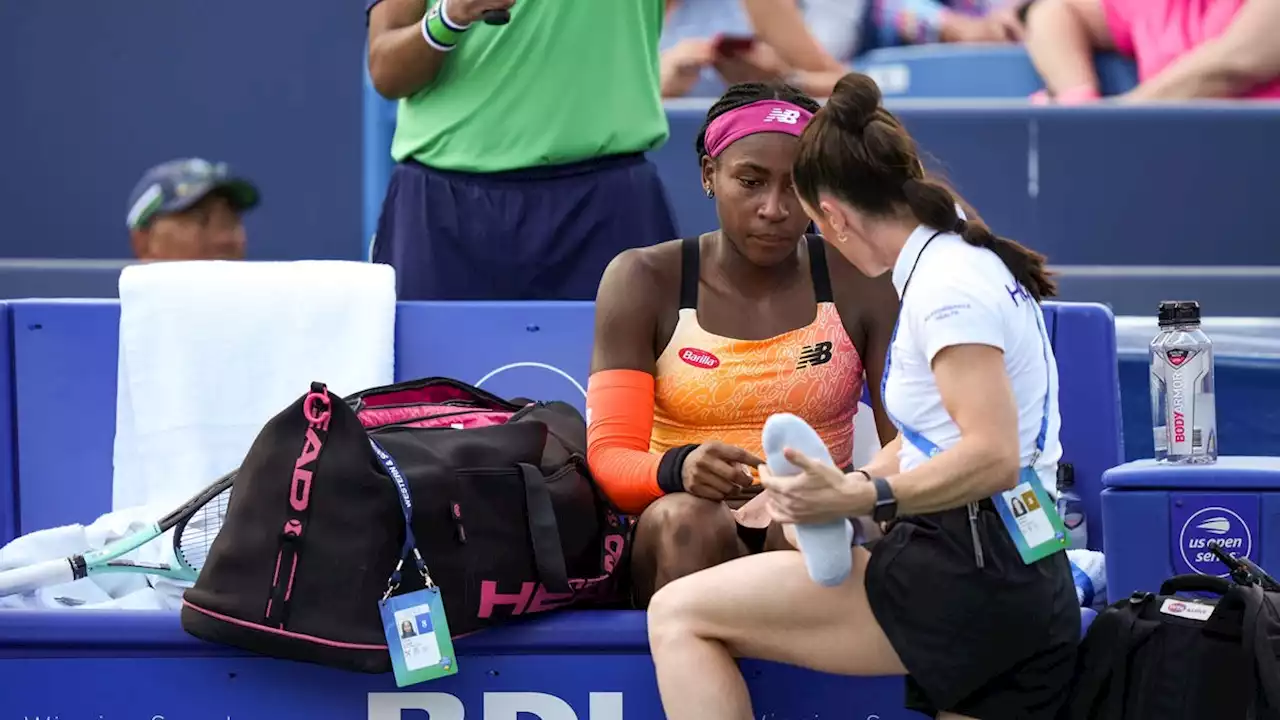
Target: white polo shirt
[(963, 295)]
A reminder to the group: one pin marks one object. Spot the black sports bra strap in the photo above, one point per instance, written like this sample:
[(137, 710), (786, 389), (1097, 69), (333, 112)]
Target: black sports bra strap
[(689, 265), (818, 267)]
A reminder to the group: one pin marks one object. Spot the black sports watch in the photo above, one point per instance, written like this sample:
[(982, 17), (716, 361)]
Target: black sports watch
[(886, 507)]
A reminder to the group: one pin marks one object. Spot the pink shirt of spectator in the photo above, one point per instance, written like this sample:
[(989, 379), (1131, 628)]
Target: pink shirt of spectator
[(1157, 32)]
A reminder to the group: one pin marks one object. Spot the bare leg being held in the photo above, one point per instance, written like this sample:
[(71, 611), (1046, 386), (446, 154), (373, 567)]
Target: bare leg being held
[(762, 606)]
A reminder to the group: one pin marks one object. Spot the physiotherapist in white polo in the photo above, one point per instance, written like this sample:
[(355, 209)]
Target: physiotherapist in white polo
[(973, 604)]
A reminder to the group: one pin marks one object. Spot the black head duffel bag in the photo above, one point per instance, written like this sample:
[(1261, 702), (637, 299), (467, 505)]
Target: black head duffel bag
[(1174, 656), (504, 512)]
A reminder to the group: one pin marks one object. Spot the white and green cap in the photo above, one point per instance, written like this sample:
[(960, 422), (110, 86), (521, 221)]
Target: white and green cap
[(176, 185)]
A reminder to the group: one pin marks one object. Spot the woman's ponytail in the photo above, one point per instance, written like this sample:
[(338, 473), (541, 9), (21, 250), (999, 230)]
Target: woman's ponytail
[(934, 204)]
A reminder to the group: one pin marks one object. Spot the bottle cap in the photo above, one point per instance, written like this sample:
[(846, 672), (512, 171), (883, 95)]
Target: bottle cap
[(1066, 476), (1179, 312)]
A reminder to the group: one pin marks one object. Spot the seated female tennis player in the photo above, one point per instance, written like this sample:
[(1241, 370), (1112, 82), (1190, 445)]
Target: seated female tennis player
[(946, 596), (698, 341)]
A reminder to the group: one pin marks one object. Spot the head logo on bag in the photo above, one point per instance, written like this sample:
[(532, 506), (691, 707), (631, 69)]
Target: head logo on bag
[(317, 410), (504, 500)]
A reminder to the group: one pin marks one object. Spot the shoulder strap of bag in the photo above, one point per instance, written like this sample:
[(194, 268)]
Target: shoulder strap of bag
[(1261, 617), (317, 411), (1121, 653), (1195, 583), (544, 532), (1106, 642)]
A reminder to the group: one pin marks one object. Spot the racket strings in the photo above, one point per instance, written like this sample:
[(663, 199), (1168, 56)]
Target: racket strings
[(197, 534)]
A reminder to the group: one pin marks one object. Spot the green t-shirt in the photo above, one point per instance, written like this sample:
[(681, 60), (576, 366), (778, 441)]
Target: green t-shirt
[(564, 81)]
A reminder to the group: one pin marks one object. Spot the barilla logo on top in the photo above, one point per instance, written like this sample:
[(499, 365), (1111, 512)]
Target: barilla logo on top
[(790, 117), (699, 358)]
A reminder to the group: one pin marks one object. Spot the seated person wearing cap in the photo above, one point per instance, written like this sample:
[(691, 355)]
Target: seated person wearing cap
[(189, 210), (698, 341)]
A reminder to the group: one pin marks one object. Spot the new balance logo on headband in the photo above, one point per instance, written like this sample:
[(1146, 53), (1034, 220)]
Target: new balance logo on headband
[(790, 117), (814, 355)]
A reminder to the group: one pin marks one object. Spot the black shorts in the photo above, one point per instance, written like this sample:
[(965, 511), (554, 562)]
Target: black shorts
[(996, 643), (543, 233)]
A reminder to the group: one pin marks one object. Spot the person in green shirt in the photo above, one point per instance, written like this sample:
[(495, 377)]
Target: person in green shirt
[(520, 147)]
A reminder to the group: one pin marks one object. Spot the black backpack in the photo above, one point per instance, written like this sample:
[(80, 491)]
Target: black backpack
[(1170, 656), (505, 515)]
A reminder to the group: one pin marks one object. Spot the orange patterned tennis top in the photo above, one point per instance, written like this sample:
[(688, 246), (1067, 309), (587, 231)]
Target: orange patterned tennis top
[(710, 387)]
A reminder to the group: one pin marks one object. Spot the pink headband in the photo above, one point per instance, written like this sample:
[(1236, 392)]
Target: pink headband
[(760, 116)]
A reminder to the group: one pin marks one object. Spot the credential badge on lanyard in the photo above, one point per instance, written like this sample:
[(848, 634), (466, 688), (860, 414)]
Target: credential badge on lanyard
[(1028, 513), (417, 632)]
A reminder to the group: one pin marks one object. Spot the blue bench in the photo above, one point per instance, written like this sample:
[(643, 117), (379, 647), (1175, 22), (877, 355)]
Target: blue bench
[(592, 664), (569, 666)]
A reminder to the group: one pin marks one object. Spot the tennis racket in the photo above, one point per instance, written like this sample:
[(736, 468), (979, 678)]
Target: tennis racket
[(496, 17), (195, 524)]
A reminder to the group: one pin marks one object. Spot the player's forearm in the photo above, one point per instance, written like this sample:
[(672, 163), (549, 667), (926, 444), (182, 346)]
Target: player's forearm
[(780, 24), (402, 62)]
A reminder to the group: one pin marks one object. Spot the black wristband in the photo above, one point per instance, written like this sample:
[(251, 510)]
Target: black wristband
[(886, 507), (671, 469)]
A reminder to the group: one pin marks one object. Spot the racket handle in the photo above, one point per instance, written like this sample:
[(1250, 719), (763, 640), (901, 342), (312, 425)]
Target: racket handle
[(31, 577), (496, 17)]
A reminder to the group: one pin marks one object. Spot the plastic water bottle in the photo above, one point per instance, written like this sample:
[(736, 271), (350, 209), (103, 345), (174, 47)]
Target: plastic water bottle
[(1182, 402), (1071, 509), (827, 546)]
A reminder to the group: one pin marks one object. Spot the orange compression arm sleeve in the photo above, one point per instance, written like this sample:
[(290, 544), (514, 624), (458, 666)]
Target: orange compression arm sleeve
[(620, 422)]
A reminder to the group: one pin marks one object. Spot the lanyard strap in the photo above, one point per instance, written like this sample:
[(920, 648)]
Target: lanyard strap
[(410, 546), (924, 444)]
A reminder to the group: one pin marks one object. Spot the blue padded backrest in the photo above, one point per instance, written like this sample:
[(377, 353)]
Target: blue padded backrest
[(64, 369), (1084, 342), (538, 350), (975, 71), (8, 490)]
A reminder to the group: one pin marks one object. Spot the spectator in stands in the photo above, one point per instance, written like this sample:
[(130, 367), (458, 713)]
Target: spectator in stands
[(521, 170), (707, 44), (189, 210), (1185, 49), (809, 64), (698, 341), (944, 596), (920, 22)]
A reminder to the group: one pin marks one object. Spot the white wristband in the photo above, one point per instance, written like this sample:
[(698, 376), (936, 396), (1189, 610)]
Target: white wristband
[(426, 35), (444, 17)]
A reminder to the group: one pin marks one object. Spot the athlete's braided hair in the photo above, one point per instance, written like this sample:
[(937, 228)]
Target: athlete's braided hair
[(746, 93)]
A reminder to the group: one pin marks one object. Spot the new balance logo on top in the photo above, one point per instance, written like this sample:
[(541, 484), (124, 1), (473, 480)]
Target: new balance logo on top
[(814, 355), (790, 117)]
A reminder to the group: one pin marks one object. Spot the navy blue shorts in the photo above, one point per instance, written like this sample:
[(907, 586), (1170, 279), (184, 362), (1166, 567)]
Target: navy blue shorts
[(537, 234)]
